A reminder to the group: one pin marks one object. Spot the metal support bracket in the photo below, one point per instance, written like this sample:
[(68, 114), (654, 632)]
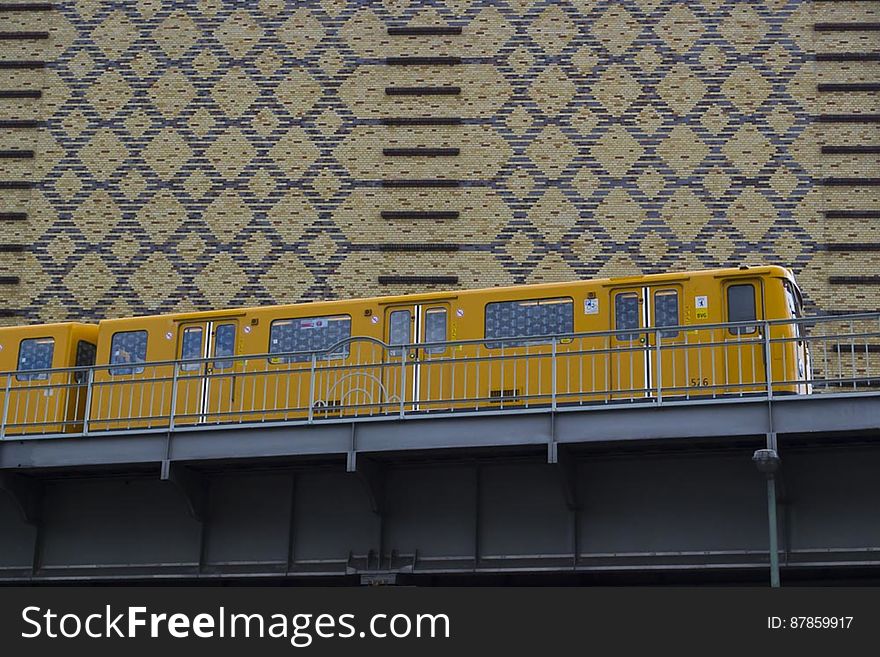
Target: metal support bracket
[(372, 475), (566, 470), (563, 463), (25, 493), (191, 483)]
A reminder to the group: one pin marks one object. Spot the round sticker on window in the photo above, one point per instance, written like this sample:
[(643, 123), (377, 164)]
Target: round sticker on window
[(247, 329), (169, 335)]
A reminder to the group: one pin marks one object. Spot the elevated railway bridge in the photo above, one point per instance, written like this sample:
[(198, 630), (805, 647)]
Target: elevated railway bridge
[(583, 464)]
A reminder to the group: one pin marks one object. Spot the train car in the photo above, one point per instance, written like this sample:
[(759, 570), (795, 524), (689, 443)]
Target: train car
[(39, 393), (606, 340)]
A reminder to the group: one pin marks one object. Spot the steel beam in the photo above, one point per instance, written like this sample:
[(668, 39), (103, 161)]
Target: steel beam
[(829, 415)]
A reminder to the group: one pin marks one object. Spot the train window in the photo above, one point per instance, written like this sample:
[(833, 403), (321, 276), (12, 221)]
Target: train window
[(666, 311), (399, 323), (626, 315), (741, 307), (85, 357), (224, 345), (535, 318), (191, 348), (128, 347), (435, 329), (300, 337), (35, 354)]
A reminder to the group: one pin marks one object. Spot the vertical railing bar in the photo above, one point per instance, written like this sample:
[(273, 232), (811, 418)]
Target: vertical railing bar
[(768, 369), (553, 369), (173, 409), (659, 337), (491, 365), (477, 364), (739, 360), (687, 360), (27, 403), (568, 373), (515, 368), (266, 389), (87, 412), (402, 388), (441, 392), (299, 378), (754, 369), (632, 371), (5, 406), (607, 349), (153, 398), (452, 380), (581, 356), (852, 344), (141, 401), (18, 399), (311, 416)]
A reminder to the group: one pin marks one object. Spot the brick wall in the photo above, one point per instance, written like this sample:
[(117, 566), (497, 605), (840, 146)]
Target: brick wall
[(175, 155)]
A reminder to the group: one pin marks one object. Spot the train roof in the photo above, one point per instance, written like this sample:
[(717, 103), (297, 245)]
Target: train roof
[(403, 298)]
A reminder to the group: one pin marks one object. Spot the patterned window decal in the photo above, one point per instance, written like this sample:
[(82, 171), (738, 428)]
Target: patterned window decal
[(666, 311), (306, 335), (224, 345), (435, 329), (191, 347), (399, 324), (35, 354), (528, 319), (741, 307), (626, 315), (128, 347)]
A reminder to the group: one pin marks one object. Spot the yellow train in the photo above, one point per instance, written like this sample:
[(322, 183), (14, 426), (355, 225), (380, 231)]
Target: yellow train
[(617, 339)]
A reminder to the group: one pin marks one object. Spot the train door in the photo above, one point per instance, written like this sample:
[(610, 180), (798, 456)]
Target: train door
[(627, 360), (206, 389), (667, 358), (411, 375), (637, 366), (743, 354)]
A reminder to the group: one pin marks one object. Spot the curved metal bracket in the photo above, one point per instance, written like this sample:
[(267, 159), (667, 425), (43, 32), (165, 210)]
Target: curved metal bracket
[(191, 483), (25, 493), (372, 475)]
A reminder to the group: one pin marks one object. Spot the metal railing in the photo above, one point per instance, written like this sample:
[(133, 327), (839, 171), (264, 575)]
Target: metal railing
[(362, 378)]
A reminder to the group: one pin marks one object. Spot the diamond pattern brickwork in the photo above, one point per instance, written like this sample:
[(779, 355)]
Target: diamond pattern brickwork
[(197, 154)]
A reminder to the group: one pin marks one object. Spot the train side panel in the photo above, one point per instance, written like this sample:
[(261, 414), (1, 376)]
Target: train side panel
[(34, 398)]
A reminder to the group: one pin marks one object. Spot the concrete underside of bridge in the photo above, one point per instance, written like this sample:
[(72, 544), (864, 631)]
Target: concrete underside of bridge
[(618, 495)]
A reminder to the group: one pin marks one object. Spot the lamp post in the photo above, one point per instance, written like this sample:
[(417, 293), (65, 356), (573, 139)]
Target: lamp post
[(767, 462)]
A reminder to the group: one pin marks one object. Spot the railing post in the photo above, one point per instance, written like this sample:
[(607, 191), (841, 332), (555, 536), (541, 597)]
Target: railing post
[(658, 334), (768, 363), (403, 353), (173, 398), (312, 388), (552, 374), (88, 408), (5, 406)]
